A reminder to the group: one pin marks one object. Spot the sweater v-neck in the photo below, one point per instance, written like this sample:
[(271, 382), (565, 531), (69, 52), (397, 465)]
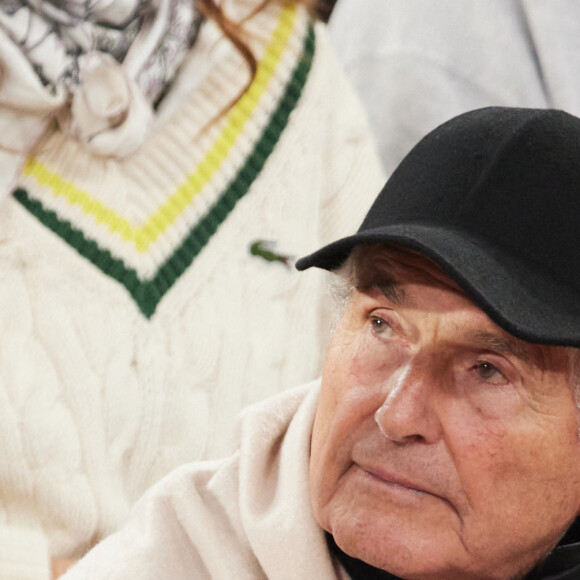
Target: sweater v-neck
[(142, 221)]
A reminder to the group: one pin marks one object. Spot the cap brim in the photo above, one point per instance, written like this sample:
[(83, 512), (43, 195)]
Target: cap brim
[(509, 292)]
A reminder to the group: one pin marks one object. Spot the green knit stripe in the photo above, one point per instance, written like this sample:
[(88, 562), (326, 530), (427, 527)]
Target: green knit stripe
[(148, 294), (89, 249)]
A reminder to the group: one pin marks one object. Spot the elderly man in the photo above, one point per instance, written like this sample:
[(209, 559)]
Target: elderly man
[(443, 441)]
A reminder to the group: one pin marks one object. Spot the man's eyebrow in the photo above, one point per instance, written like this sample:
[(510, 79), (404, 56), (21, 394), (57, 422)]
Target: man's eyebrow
[(388, 287), (502, 344)]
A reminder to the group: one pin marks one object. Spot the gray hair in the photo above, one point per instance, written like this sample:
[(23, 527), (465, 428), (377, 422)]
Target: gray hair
[(343, 282)]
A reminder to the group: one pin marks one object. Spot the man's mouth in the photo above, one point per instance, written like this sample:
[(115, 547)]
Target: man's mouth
[(400, 484), (396, 481)]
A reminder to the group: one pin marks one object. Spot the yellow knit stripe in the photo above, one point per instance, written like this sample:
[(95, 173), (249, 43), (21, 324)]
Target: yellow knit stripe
[(142, 237), (62, 188)]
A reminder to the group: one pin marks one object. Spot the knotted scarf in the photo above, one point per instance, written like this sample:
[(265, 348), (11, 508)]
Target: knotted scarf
[(98, 66)]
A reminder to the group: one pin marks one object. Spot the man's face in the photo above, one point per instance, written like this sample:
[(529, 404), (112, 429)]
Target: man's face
[(443, 447)]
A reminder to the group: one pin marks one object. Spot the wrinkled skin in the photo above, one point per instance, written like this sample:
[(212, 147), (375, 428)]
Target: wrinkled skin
[(443, 447)]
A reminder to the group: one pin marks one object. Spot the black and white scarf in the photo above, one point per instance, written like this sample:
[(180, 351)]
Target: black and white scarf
[(98, 66)]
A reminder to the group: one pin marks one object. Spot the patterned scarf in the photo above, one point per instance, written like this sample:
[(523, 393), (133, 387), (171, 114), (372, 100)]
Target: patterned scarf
[(99, 66)]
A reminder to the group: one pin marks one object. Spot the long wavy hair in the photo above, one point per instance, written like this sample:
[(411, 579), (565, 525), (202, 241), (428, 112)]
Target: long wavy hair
[(234, 30)]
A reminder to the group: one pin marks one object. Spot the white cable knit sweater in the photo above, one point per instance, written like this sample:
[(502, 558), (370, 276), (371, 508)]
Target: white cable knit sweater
[(136, 320), (246, 517)]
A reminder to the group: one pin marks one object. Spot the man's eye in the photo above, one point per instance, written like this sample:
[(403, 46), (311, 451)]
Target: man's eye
[(380, 326), (489, 372)]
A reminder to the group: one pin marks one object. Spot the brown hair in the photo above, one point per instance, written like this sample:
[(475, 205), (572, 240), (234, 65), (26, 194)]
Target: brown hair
[(234, 31)]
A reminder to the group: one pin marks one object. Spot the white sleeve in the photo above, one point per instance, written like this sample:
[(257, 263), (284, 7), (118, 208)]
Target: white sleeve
[(416, 64), (23, 554), (178, 530)]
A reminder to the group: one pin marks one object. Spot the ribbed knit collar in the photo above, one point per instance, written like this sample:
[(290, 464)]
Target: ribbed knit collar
[(143, 221)]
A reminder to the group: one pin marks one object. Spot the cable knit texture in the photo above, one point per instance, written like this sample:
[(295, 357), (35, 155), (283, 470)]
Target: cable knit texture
[(256, 502), (139, 321)]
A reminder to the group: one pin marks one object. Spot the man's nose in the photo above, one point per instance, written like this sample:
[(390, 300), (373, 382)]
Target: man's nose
[(408, 412)]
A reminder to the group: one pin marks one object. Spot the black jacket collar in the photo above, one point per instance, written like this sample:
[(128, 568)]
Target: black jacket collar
[(563, 563)]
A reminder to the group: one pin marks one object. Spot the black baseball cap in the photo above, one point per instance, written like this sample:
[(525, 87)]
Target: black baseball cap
[(493, 197)]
